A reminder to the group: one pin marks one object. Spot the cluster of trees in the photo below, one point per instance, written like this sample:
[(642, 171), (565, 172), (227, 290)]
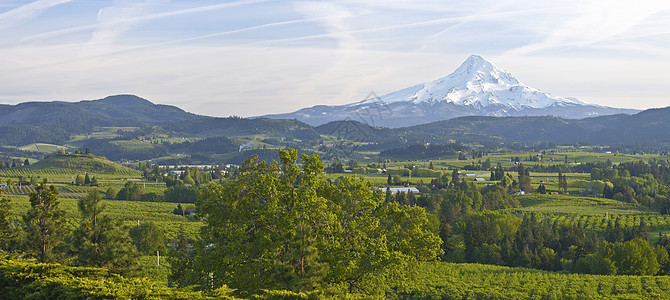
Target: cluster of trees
[(131, 191), (637, 183), (492, 238), (85, 180), (45, 234), (278, 226), (13, 163)]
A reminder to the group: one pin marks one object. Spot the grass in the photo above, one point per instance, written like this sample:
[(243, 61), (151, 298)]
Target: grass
[(41, 147), (564, 204), (128, 211)]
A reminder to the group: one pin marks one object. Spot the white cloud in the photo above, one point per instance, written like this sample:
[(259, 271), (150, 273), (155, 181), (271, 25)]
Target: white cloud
[(27, 12), (594, 22)]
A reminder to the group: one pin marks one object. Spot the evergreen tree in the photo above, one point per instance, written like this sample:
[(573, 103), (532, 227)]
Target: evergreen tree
[(188, 180), (454, 177), (499, 173), (148, 238), (486, 165), (110, 193), (563, 182), (26, 162), (100, 241), (182, 263), (87, 180), (45, 222), (7, 234), (524, 178)]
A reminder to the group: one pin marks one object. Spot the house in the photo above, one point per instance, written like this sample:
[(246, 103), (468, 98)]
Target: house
[(479, 179), (405, 190), (3, 186)]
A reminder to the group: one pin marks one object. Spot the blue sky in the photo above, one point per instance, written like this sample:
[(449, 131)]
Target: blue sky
[(254, 57)]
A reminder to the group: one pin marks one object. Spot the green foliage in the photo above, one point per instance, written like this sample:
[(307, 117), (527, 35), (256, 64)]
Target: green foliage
[(45, 222), (181, 194), (130, 192), (110, 193), (100, 241), (24, 279), (439, 280), (80, 162), (7, 233), (183, 271), (148, 238), (294, 230), (634, 257)]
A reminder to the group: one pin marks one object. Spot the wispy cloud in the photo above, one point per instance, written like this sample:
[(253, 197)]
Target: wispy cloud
[(27, 12), (140, 19), (594, 22)]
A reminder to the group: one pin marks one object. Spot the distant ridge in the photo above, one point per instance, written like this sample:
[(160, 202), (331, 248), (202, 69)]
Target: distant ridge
[(476, 88), (117, 110)]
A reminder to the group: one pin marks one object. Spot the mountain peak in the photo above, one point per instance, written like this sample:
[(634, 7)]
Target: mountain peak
[(476, 67), (479, 83), (125, 100), (476, 88)]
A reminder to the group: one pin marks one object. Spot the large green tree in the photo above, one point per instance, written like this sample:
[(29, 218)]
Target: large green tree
[(148, 238), (100, 241), (45, 222), (281, 226)]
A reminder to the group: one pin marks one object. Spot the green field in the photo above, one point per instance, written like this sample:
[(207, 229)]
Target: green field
[(439, 280), (41, 147)]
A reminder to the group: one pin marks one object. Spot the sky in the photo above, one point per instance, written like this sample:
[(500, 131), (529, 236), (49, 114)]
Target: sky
[(256, 57)]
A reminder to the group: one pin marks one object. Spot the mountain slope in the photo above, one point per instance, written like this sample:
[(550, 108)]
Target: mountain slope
[(54, 122), (81, 163), (110, 111), (476, 88)]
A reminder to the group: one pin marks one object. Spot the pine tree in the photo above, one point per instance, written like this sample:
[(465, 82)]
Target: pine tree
[(45, 222), (100, 241), (7, 234), (110, 193), (563, 182), (180, 256), (87, 180)]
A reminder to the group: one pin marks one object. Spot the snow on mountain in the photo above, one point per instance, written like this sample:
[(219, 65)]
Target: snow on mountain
[(477, 83), (476, 88)]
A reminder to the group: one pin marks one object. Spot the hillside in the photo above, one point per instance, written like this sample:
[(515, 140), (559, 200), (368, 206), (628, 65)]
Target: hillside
[(75, 163), (54, 122)]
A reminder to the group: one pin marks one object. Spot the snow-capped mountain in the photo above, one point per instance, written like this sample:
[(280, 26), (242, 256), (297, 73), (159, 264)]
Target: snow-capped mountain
[(476, 88)]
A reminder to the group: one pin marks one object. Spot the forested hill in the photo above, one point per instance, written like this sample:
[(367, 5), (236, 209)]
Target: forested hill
[(59, 122), (111, 111), (647, 127)]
